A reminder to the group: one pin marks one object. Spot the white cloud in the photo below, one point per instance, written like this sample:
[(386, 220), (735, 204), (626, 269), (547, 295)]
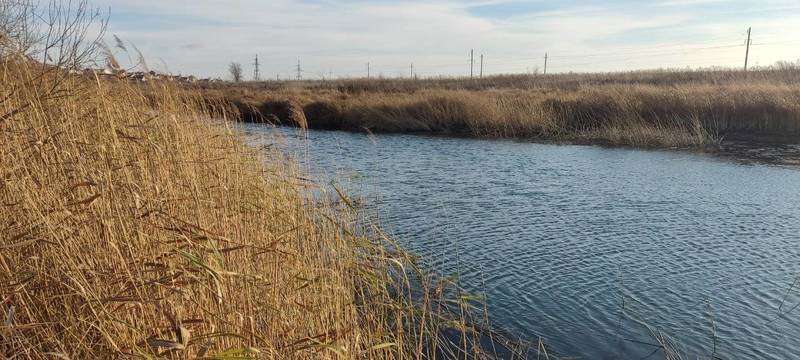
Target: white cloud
[(202, 36)]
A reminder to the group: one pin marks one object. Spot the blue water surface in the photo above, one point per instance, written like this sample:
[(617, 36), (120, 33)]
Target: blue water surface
[(583, 245)]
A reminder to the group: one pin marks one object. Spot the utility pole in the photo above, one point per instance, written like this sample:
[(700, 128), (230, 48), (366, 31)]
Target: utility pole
[(545, 63), (481, 73), (367, 71), (747, 52), (299, 70), (256, 75), (412, 70), (471, 61)]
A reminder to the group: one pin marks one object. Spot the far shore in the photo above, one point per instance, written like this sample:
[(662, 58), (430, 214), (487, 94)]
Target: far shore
[(748, 116), (655, 109)]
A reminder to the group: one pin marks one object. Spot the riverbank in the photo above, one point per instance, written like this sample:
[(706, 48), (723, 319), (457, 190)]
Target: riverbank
[(645, 109), (135, 226)]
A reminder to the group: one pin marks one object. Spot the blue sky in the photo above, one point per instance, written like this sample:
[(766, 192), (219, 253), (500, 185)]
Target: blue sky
[(337, 38)]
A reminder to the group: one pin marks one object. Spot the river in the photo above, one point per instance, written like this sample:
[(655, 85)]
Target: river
[(572, 243)]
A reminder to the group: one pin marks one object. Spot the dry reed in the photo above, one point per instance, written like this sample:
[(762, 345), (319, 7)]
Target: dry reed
[(135, 226), (660, 109)]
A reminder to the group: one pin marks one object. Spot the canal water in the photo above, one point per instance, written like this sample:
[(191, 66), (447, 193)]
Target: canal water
[(591, 249)]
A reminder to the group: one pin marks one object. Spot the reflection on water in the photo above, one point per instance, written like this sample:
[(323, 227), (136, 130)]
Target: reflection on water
[(574, 243)]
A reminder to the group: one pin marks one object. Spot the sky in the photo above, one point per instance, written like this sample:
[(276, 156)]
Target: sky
[(338, 38)]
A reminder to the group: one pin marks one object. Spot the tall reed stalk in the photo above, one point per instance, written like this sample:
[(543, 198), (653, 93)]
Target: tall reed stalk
[(135, 223)]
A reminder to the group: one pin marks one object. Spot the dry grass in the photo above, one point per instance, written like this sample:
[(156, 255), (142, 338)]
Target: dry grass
[(643, 109), (133, 226), (781, 73), (136, 224)]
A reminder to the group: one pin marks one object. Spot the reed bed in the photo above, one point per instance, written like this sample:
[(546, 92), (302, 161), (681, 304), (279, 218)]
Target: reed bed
[(134, 225), (658, 109)]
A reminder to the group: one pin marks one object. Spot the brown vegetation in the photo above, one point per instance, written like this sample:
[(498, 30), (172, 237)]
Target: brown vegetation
[(133, 225), (657, 108)]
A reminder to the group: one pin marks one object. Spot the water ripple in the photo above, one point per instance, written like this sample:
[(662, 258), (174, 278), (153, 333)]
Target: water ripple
[(560, 237)]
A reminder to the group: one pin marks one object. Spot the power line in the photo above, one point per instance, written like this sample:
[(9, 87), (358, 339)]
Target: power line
[(633, 59), (648, 51), (471, 61), (299, 70), (611, 57), (747, 52), (481, 73), (606, 57), (788, 42), (576, 60), (729, 60), (564, 66), (256, 75), (545, 63)]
